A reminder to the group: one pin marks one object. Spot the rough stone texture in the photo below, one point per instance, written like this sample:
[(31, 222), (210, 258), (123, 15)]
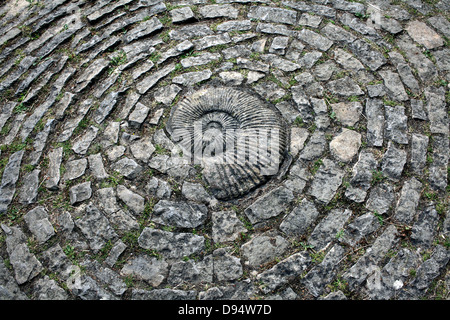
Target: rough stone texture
[(326, 181), (328, 229), (424, 35), (95, 227), (263, 249), (171, 245), (179, 214), (9, 179), (226, 226), (39, 225), (297, 222), (344, 147), (80, 192), (92, 176), (393, 161), (316, 279), (133, 201), (149, 269), (361, 178), (408, 201), (269, 205), (367, 263), (380, 198), (24, 263), (282, 271)]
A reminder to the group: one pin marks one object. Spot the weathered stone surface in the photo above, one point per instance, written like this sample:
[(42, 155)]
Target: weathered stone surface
[(396, 124), (337, 34), (239, 25), (29, 191), (118, 248), (39, 225), (269, 205), (367, 263), (74, 169), (393, 85), (10, 176), (191, 78), (316, 279), (163, 294), (149, 269), (405, 71), (345, 87), (190, 31), (408, 201), (167, 94), (199, 60), (345, 146), (24, 263), (82, 143), (159, 188), (424, 230), (380, 198), (314, 39), (219, 11), (133, 201), (419, 146), (48, 289), (328, 228), (171, 245), (436, 109), (425, 68), (387, 282), (96, 166), (191, 272), (226, 267), (150, 81), (424, 35), (138, 116), (426, 273), (393, 162), (360, 228), (347, 113), (326, 181), (80, 192), (91, 72), (182, 14), (263, 249), (298, 138), (95, 227), (361, 178), (283, 271), (226, 226), (438, 168), (314, 147), (196, 192), (142, 149), (272, 14), (302, 217), (53, 174), (128, 168), (179, 214), (375, 122), (211, 41), (371, 58)]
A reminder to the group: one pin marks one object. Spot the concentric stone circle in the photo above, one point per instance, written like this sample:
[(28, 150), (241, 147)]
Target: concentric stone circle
[(97, 201), (242, 124)]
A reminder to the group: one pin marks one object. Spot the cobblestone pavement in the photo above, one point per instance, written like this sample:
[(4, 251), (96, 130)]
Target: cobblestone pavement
[(95, 203)]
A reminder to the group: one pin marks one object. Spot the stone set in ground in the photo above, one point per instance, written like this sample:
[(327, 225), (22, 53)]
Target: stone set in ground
[(96, 203)]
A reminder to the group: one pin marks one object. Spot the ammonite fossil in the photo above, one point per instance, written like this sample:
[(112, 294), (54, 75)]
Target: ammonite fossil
[(237, 138)]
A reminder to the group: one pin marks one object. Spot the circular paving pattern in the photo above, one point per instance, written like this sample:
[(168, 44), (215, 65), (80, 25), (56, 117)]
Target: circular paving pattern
[(225, 149)]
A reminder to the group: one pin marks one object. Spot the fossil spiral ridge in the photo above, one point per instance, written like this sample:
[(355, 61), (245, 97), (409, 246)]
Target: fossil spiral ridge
[(239, 137)]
